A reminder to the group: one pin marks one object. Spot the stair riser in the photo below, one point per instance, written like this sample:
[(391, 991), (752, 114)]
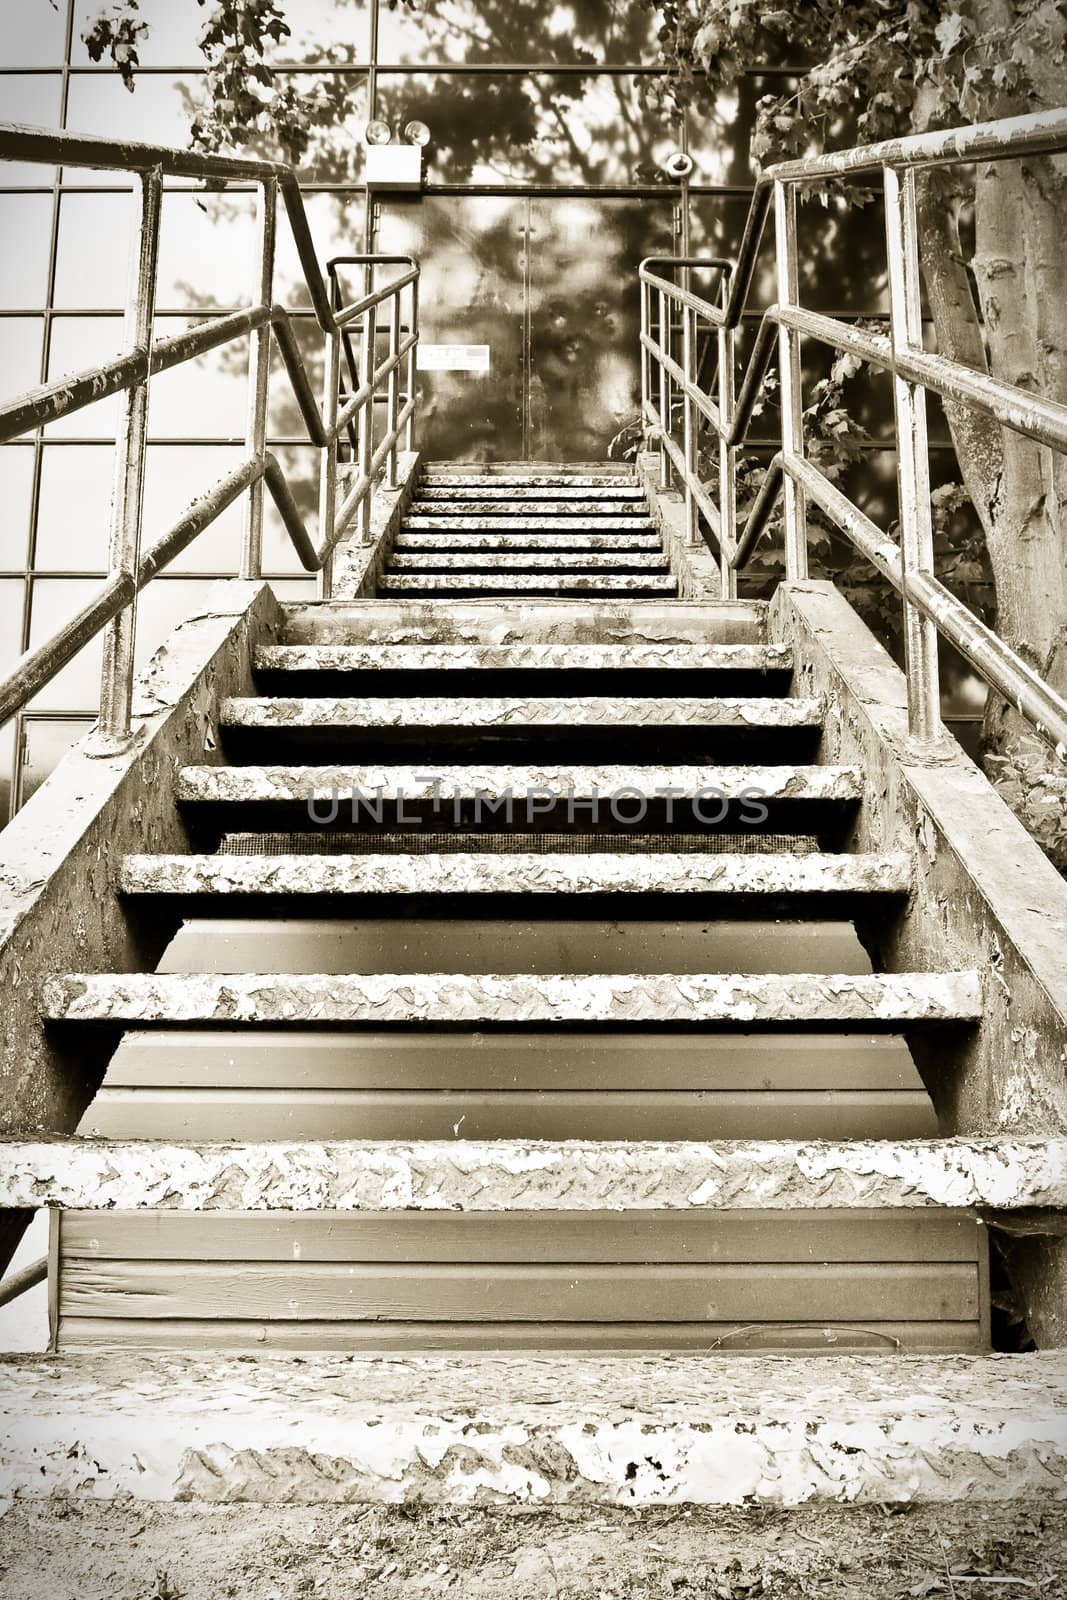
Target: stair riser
[(554, 561), (546, 946), (352, 1114)]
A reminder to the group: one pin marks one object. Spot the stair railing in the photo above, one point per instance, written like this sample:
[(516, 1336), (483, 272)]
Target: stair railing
[(113, 610), (672, 394)]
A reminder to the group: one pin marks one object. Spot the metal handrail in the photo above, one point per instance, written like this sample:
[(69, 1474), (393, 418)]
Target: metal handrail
[(670, 368), (113, 610)]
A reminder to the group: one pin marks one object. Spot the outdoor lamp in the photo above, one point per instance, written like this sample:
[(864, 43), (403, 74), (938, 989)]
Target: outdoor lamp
[(395, 167)]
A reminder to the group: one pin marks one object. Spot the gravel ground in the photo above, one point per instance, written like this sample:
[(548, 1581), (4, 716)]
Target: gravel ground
[(121, 1551)]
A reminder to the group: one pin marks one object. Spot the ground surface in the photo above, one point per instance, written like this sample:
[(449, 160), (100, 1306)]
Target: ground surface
[(110, 1551)]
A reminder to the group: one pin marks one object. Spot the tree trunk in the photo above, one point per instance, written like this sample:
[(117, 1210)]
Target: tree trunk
[(1017, 330)]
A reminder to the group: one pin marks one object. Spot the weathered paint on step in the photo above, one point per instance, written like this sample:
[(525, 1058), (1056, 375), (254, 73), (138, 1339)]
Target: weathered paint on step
[(411, 542), (519, 506), (542, 523), (446, 784), (831, 998), (688, 656), (482, 872), (592, 621), (527, 561), (517, 1430), (592, 583), (1003, 1174), (462, 712)]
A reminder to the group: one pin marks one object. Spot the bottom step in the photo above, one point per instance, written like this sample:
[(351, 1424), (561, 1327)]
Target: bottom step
[(517, 1430)]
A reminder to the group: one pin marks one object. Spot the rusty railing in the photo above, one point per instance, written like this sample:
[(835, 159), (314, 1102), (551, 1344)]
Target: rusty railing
[(343, 415), (671, 393)]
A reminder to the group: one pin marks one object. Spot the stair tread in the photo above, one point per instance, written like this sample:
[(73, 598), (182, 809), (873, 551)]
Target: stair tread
[(688, 712), (550, 479), (526, 561), (506, 622), (590, 583), (436, 491), (444, 540), (143, 997), (621, 1429), (279, 782), (688, 656), (517, 506), (482, 872), (542, 522), (1004, 1173)]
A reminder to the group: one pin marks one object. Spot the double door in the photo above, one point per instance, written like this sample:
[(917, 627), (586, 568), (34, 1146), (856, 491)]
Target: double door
[(545, 290)]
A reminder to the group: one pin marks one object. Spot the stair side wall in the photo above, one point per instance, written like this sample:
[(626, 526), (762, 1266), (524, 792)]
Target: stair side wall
[(59, 859), (984, 897)]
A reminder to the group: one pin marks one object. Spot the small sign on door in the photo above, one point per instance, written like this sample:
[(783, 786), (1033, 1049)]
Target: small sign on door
[(452, 357)]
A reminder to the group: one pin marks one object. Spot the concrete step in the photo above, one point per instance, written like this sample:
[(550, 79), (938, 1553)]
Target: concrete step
[(500, 622), (1002, 1174), (483, 714), (537, 522), (608, 477), (481, 872), (517, 505), (575, 784), (519, 1431), (464, 491), (606, 561), (886, 999), (533, 542), (521, 656), (593, 584)]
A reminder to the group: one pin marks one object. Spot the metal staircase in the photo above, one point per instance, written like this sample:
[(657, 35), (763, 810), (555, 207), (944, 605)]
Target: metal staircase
[(528, 533), (593, 1021)]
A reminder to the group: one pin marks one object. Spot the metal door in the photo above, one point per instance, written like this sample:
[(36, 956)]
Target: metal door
[(549, 284)]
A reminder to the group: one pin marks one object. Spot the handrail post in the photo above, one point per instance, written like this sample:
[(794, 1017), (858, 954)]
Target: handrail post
[(331, 391), (392, 391), (409, 441), (366, 415), (646, 357), (692, 534), (792, 403), (258, 380), (727, 456), (116, 677), (664, 343), (913, 456)]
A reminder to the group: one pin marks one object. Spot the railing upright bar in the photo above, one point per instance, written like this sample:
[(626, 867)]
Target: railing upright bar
[(366, 415), (409, 427), (116, 677), (913, 456), (727, 457), (331, 395), (258, 380), (645, 357), (785, 244), (664, 343), (692, 530), (392, 393)]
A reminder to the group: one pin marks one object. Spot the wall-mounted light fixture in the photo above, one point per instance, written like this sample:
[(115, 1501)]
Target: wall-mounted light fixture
[(396, 167)]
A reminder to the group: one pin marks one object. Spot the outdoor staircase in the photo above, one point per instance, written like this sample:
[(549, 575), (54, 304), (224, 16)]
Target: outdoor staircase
[(595, 887), (507, 532), (523, 1003)]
